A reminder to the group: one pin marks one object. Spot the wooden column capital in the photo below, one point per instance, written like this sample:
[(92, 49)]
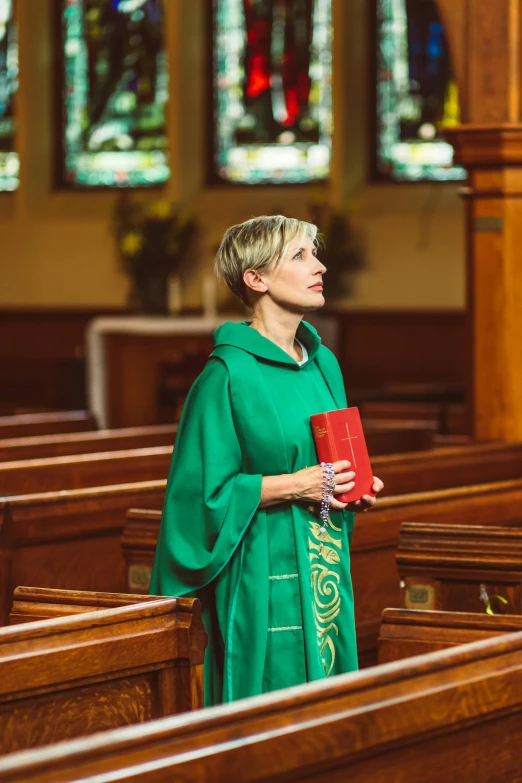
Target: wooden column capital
[(487, 145)]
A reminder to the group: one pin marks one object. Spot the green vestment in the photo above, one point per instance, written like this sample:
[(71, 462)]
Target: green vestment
[(276, 592)]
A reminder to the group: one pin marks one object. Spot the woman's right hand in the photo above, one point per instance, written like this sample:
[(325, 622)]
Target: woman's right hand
[(310, 482)]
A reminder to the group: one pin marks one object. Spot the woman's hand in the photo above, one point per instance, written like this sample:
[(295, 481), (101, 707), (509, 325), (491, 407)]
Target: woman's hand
[(310, 482), (307, 484), (367, 501)]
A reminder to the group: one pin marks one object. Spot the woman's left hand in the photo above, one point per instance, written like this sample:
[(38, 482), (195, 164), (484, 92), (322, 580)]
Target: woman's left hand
[(367, 501)]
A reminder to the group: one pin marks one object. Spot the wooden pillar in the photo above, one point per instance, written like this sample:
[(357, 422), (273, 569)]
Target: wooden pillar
[(485, 38), (493, 157)]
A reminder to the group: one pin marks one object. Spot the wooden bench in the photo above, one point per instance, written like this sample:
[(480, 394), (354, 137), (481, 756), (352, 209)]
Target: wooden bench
[(138, 545), (84, 470), (389, 436), (97, 469), (448, 467), (29, 424), (41, 603), (459, 568), (74, 676), (451, 418), (375, 578), (68, 539), (41, 446), (400, 472), (408, 632), (375, 539), (454, 715)]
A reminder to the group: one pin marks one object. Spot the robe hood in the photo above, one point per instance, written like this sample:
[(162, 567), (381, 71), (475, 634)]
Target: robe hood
[(241, 335)]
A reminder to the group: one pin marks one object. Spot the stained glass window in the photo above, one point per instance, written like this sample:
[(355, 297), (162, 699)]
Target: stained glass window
[(417, 96), (9, 163), (272, 90), (114, 93)]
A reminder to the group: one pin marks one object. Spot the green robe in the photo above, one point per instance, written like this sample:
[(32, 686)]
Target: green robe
[(276, 592)]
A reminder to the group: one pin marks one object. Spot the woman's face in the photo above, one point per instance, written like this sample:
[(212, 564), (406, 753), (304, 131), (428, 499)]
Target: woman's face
[(296, 283)]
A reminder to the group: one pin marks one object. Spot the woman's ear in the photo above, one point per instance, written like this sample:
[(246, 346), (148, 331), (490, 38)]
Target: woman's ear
[(255, 281)]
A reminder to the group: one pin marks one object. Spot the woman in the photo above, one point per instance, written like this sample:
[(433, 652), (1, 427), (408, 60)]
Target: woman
[(241, 524)]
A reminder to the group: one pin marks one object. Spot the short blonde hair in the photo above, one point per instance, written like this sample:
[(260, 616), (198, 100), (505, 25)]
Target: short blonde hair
[(260, 244)]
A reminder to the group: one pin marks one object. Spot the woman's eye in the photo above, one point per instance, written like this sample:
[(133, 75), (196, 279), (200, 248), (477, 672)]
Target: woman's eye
[(298, 254)]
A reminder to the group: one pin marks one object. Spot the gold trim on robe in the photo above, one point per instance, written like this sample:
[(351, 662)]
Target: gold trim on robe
[(324, 553)]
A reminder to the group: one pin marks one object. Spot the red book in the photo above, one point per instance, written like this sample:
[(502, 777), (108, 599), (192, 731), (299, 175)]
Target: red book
[(339, 435)]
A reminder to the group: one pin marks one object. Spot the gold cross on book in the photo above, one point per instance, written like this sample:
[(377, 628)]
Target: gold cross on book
[(350, 438)]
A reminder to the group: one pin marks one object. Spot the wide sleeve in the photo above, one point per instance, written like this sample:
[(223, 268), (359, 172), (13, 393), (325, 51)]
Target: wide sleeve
[(209, 500)]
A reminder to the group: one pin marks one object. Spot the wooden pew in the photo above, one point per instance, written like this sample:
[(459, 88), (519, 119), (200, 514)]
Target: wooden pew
[(138, 545), (408, 632), (374, 544), (451, 418), (459, 568), (389, 436), (40, 603), (384, 437), (451, 466), (420, 470), (376, 537), (41, 446), (454, 715), (84, 470), (74, 676), (29, 424), (68, 539)]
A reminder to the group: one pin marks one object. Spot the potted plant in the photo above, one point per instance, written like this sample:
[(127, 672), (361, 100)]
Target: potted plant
[(154, 241)]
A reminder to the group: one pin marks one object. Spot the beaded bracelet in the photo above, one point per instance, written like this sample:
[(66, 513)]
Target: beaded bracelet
[(328, 487)]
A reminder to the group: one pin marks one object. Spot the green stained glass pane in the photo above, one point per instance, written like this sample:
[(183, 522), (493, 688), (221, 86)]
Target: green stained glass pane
[(272, 82), (115, 89), (417, 96), (9, 161)]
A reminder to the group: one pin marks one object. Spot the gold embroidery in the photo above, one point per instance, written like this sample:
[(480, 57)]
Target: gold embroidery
[(287, 628), (325, 585), (284, 576)]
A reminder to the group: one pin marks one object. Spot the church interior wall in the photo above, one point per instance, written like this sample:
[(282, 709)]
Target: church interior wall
[(57, 248)]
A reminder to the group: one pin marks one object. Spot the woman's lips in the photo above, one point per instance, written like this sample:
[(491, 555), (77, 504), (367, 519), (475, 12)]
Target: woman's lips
[(317, 286)]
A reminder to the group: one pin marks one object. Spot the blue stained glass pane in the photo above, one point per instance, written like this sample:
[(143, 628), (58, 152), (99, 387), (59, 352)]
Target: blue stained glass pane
[(114, 93), (9, 161), (417, 97), (272, 90)]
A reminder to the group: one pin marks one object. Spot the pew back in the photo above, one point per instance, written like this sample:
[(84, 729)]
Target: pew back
[(28, 424), (376, 537), (450, 466), (39, 603), (408, 632), (74, 676), (373, 547), (68, 539), (84, 470), (41, 446), (461, 568), (428, 719)]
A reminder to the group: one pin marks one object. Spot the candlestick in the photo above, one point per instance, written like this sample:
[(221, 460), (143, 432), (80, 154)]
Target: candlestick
[(209, 296), (174, 294)]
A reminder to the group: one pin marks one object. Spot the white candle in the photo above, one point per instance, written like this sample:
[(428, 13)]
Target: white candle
[(209, 296), (174, 294)]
